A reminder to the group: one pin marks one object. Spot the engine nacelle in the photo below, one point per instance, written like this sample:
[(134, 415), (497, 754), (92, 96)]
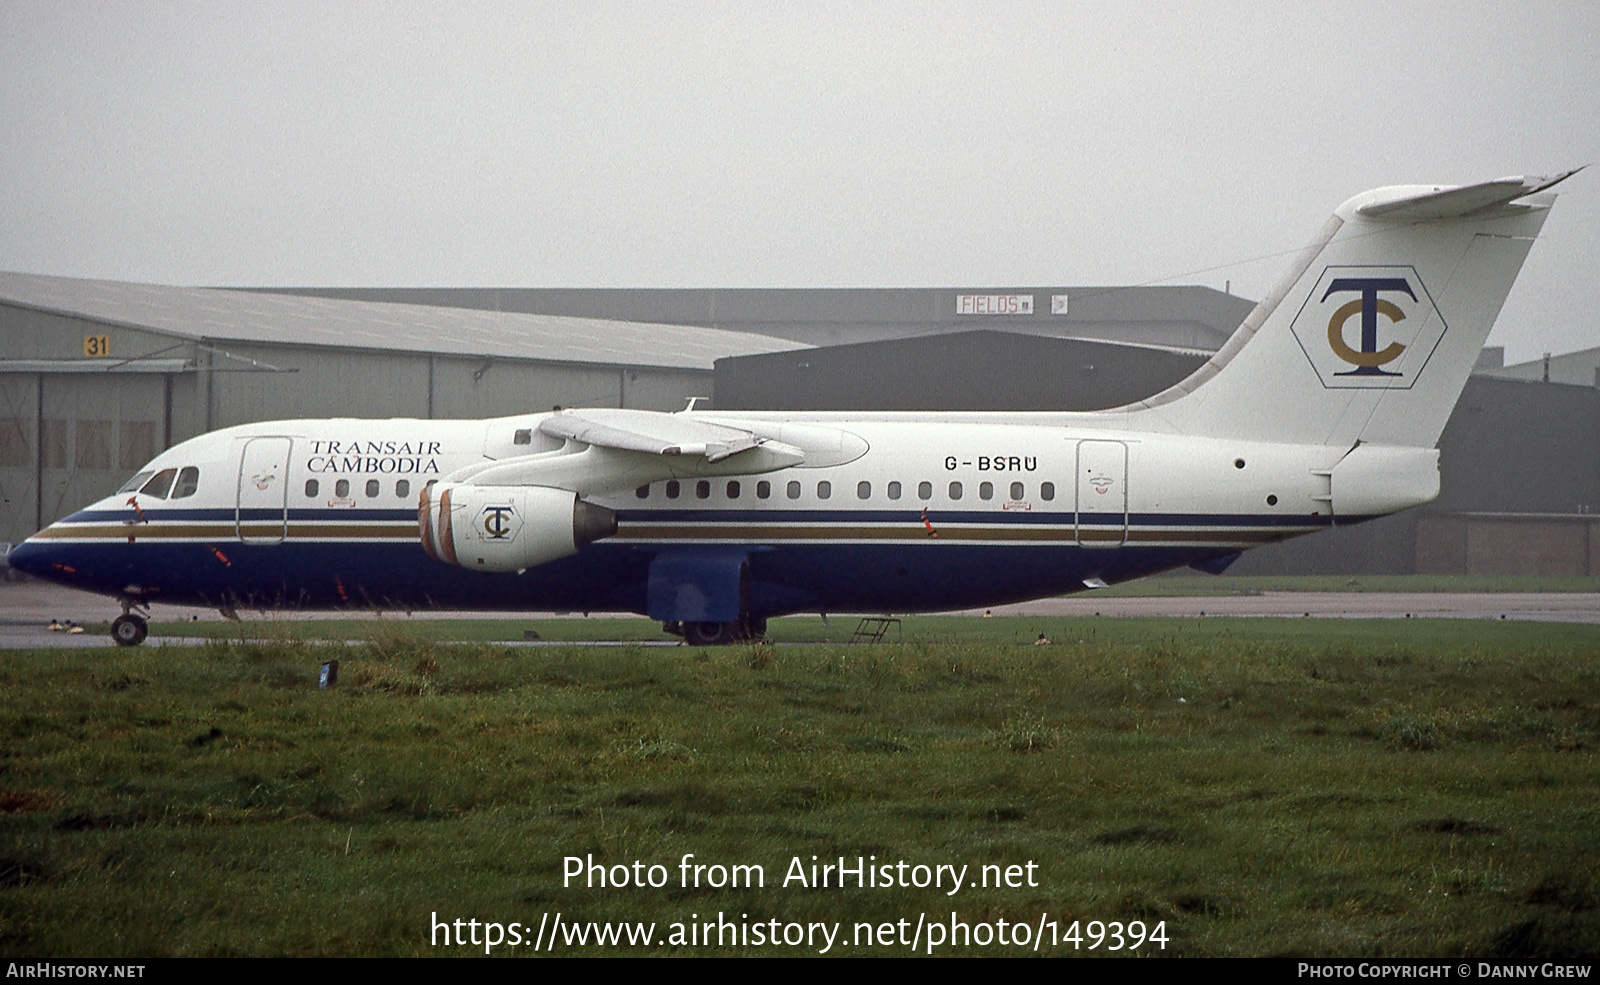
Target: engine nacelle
[(507, 528)]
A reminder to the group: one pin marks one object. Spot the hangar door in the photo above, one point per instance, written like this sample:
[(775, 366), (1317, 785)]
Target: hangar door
[(1102, 493)]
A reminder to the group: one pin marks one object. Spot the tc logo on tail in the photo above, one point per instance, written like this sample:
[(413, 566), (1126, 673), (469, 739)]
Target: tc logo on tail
[(1396, 327)]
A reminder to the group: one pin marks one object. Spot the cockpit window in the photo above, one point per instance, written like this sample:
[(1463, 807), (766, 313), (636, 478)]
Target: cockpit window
[(158, 487), (135, 482), (173, 483), (188, 482)]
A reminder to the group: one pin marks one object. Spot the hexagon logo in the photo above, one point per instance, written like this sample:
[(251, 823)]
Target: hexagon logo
[(1369, 327), (498, 523)]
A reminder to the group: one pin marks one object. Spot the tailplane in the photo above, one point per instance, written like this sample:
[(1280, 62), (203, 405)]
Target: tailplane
[(1371, 334)]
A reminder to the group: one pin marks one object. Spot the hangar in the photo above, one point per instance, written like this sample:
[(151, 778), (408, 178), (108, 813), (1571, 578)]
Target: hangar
[(1191, 317), (986, 369), (1581, 368)]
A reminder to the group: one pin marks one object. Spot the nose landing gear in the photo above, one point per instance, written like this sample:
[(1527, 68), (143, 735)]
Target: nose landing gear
[(130, 628)]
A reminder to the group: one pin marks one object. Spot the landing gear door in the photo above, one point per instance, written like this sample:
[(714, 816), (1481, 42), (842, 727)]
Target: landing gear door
[(262, 516), (1102, 493)]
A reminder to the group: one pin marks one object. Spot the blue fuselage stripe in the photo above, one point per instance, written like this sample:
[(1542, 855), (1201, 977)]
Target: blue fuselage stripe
[(823, 559), (826, 517)]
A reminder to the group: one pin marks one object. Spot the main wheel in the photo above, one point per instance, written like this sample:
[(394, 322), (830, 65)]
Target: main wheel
[(129, 630), (709, 633)]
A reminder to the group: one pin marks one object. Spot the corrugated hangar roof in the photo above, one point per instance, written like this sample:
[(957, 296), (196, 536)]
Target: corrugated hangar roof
[(246, 316)]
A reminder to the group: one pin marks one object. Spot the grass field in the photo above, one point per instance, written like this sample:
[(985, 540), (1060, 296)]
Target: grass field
[(1254, 787)]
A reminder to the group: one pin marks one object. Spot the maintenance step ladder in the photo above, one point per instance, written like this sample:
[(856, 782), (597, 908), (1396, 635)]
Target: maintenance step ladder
[(872, 629)]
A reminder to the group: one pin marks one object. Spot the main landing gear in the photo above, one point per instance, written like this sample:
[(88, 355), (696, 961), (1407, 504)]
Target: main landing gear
[(748, 629), (130, 628)]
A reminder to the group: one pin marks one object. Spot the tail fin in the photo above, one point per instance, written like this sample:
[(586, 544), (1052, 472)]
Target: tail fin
[(1372, 333)]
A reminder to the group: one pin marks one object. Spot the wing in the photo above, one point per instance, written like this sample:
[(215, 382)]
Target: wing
[(650, 432), (612, 450)]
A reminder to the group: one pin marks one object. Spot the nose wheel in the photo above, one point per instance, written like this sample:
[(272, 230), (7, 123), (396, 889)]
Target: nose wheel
[(130, 628)]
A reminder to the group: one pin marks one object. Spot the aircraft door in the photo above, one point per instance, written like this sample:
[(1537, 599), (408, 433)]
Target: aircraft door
[(1102, 511), (262, 514)]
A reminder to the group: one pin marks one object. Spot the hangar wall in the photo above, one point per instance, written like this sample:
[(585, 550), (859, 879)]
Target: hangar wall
[(1176, 315), (1581, 368), (67, 436), (66, 439), (983, 370), (1521, 446), (1534, 544), (363, 383)]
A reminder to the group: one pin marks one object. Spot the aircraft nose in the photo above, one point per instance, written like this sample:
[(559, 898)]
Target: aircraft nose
[(43, 559)]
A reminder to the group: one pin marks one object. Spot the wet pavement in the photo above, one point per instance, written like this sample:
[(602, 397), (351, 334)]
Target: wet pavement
[(26, 609)]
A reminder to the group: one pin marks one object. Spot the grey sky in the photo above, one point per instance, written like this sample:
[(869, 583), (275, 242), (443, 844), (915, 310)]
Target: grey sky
[(776, 145)]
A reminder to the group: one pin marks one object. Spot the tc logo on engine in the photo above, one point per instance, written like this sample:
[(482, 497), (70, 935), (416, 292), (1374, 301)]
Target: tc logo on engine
[(498, 523)]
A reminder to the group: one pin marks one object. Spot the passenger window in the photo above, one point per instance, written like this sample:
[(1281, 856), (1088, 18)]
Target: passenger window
[(402, 488), (135, 482), (702, 489), (955, 490), (672, 488), (188, 482), (924, 490), (159, 486), (733, 489), (1016, 490), (894, 490), (341, 488), (1047, 491), (311, 488), (643, 492), (863, 490), (824, 489), (985, 490), (763, 489), (793, 490), (373, 488)]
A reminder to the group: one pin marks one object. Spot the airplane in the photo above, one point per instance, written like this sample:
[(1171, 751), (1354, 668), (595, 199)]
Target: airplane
[(1323, 409)]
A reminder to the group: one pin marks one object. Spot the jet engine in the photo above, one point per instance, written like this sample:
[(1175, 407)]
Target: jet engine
[(507, 528)]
